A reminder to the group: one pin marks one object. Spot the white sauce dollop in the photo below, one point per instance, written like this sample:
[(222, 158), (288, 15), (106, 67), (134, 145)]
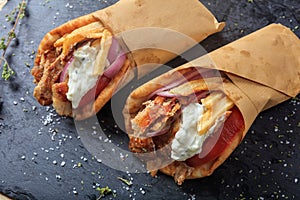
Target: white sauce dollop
[(81, 76), (187, 141)]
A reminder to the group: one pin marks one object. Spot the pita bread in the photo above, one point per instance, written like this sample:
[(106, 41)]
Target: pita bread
[(257, 80), (124, 20)]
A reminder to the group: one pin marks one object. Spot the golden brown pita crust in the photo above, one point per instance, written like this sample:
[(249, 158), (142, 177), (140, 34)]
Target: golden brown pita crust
[(47, 43)]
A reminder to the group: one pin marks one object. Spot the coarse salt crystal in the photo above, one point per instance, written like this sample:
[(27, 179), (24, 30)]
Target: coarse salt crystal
[(63, 163)]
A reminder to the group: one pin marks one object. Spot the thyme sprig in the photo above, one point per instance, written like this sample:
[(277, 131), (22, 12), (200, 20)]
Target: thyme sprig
[(15, 16)]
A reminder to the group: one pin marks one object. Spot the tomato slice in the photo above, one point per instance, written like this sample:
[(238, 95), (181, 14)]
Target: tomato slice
[(233, 125), (94, 92)]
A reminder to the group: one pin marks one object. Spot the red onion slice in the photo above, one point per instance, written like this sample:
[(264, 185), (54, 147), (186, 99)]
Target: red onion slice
[(114, 50), (92, 94), (178, 82), (63, 74), (196, 74), (157, 133), (115, 67), (116, 58)]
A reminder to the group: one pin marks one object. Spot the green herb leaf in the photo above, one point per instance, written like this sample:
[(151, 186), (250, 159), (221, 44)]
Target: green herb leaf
[(27, 64), (7, 72), (127, 182), (2, 44), (15, 15), (103, 191), (12, 34)]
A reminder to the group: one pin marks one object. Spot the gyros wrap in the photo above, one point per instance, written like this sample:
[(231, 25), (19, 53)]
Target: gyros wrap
[(80, 64), (188, 121)]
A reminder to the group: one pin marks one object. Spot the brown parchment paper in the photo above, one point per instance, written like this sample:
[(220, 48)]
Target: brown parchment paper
[(145, 24), (263, 70), (264, 65), (135, 21)]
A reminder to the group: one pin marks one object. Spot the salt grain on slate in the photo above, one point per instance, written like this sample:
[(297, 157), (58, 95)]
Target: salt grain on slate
[(74, 191), (58, 177), (63, 163)]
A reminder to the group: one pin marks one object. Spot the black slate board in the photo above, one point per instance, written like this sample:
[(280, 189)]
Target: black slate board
[(34, 141)]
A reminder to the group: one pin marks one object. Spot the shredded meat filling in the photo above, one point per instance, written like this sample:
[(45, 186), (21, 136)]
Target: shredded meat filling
[(155, 116), (51, 73), (60, 102)]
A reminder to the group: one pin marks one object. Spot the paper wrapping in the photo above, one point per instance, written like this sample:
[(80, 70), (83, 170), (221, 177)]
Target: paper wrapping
[(2, 197), (264, 66), (156, 31), (263, 70), (135, 22), (2, 4)]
